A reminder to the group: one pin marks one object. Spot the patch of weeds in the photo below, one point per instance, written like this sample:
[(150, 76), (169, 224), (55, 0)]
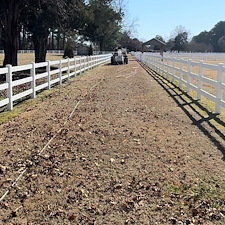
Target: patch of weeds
[(45, 94), (5, 116), (203, 200), (21, 107), (208, 106)]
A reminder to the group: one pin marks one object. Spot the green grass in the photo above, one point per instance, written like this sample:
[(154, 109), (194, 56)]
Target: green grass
[(203, 199), (208, 106), (5, 116)]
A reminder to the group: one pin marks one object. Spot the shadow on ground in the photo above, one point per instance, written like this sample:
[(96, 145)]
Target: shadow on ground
[(194, 110)]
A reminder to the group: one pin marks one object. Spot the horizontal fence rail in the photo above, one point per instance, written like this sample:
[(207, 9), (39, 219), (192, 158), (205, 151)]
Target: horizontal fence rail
[(195, 56), (55, 52), (204, 79), (35, 77)]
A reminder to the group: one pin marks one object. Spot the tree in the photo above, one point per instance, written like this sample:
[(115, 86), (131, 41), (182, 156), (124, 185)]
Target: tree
[(198, 47), (215, 34), (180, 39), (9, 15), (203, 37), (55, 17), (136, 45), (170, 44), (69, 50), (125, 39), (221, 43), (212, 39), (40, 17), (132, 44), (102, 23), (159, 37)]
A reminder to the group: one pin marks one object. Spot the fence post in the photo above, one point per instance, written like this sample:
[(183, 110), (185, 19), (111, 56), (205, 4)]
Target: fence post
[(173, 74), (189, 75), (140, 58), (86, 63), (200, 74), (60, 71), (97, 60), (68, 68), (166, 69), (48, 74), (87, 59), (181, 73), (80, 66), (163, 67), (91, 57), (9, 89), (159, 65), (90, 60), (149, 61), (93, 61), (33, 82), (74, 66), (219, 92)]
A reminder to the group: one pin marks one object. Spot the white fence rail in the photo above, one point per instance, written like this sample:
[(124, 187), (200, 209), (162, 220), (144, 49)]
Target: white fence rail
[(43, 75), (55, 52), (206, 80), (195, 56)]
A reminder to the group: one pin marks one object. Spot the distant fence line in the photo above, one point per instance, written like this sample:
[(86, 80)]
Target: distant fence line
[(205, 79), (52, 72), (206, 56), (209, 56), (54, 52), (32, 51)]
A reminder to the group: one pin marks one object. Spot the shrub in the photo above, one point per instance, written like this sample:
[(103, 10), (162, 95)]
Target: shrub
[(68, 52)]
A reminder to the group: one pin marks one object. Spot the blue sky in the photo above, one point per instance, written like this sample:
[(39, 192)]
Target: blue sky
[(162, 17)]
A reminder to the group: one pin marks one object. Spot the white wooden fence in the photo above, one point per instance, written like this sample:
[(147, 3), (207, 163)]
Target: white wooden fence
[(55, 52), (52, 72), (195, 56), (206, 80)]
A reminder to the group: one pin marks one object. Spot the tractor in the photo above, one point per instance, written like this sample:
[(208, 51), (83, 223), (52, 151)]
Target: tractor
[(119, 57)]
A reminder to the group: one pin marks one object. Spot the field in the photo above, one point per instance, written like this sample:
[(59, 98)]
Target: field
[(24, 59), (209, 72), (115, 145)]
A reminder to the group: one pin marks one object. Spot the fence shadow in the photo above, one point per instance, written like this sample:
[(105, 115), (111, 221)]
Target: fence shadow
[(192, 108)]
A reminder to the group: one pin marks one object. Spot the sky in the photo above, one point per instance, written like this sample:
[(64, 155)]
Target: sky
[(162, 17)]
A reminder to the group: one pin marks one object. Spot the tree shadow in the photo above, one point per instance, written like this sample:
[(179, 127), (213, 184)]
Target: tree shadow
[(194, 110)]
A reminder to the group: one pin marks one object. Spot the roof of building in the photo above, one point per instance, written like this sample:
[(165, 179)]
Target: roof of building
[(154, 41)]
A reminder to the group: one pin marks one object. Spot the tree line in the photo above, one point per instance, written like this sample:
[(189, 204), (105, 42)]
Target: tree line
[(205, 41), (50, 24)]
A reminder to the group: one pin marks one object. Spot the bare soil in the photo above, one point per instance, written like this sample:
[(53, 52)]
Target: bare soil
[(115, 145)]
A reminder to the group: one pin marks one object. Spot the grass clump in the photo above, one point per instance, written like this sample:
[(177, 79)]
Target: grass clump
[(200, 201), (5, 116)]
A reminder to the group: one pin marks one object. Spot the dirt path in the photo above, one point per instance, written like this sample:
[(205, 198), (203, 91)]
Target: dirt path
[(113, 146)]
